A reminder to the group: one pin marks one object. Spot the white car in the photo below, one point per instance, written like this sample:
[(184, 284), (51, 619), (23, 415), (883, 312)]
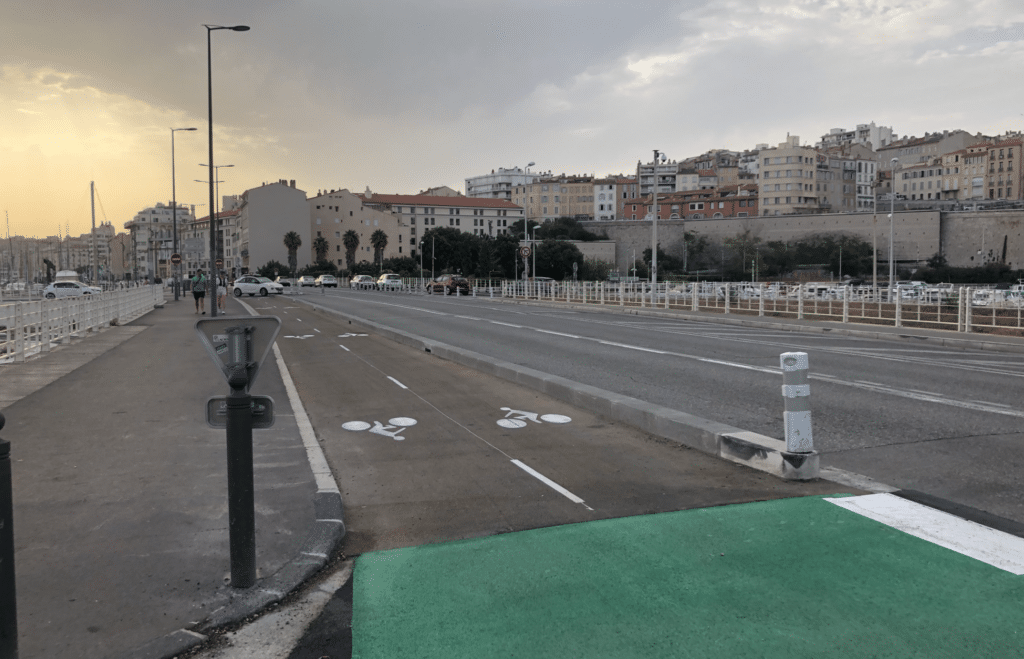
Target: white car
[(389, 282), (327, 281), (68, 289), (253, 285), (362, 281), (307, 280)]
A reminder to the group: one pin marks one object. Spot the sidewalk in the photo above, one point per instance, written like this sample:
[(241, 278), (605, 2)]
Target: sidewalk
[(120, 491)]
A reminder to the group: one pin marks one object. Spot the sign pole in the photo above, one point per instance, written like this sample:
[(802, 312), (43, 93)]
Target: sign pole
[(241, 498)]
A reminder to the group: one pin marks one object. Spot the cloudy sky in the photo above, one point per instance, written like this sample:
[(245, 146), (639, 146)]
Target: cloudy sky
[(401, 95)]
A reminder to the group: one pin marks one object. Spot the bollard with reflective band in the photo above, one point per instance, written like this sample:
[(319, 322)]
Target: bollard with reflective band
[(796, 394), (8, 600)]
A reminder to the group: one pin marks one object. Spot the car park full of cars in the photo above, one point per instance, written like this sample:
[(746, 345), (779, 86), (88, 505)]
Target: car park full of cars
[(362, 281), (251, 285), (59, 289), (307, 280), (327, 281), (449, 285), (389, 282)]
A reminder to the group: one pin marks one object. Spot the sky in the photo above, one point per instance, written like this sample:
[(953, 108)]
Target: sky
[(398, 96)]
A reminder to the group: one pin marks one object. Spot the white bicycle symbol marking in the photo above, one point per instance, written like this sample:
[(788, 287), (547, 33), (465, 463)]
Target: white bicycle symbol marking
[(520, 418), (395, 426)]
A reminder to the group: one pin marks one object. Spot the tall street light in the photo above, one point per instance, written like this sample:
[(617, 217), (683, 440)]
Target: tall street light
[(174, 213), (213, 172), (654, 225), (220, 206), (526, 231), (892, 222)]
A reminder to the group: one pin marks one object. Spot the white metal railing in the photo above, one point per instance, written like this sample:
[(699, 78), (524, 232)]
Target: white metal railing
[(29, 328), (956, 308)]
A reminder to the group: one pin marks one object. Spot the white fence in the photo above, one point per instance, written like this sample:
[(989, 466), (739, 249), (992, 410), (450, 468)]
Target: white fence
[(955, 308), (29, 328)]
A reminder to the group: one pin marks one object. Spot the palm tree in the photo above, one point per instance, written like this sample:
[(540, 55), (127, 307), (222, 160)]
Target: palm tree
[(351, 242), (292, 241), (320, 246), (379, 240)]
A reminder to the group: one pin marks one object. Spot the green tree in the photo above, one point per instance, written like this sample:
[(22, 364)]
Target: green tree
[(292, 242), (379, 241), (555, 259), (351, 242), (321, 247), (273, 269)]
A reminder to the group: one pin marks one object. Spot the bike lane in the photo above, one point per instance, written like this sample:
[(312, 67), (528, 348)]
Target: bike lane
[(798, 577)]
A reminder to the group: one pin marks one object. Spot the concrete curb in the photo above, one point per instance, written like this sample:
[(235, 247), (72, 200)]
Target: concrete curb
[(718, 439), (324, 537), (1010, 345)]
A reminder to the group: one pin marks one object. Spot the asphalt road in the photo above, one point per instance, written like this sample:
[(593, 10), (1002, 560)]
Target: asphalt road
[(913, 415)]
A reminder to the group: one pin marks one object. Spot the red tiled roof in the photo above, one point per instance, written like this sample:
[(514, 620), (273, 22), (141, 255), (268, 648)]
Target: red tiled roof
[(430, 200)]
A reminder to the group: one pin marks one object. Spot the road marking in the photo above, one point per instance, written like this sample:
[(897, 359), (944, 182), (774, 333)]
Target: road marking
[(397, 382), (497, 322), (550, 483), (570, 336), (344, 348), (996, 548), (468, 317), (316, 330), (623, 345)]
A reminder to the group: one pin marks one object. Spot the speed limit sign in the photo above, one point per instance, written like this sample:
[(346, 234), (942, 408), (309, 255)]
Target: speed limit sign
[(524, 251)]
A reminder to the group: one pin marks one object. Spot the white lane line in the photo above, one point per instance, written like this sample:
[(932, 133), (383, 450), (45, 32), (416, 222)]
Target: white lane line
[(996, 548), (985, 402), (316, 330), (397, 382), (629, 347), (571, 336), (344, 348), (550, 483), (317, 462), (760, 369), (496, 322), (468, 317)]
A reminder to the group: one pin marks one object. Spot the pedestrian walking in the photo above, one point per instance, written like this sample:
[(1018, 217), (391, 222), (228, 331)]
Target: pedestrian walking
[(199, 292), (222, 291)]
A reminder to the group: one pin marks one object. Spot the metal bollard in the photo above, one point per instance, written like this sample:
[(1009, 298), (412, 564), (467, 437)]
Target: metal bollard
[(796, 395), (8, 601)]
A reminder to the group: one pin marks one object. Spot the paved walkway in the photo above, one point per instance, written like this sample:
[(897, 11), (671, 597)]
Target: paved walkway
[(120, 488)]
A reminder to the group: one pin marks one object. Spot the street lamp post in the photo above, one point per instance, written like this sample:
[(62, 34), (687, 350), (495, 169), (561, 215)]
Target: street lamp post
[(526, 233), (534, 250), (654, 225), (174, 213), (220, 206), (213, 173), (892, 223)]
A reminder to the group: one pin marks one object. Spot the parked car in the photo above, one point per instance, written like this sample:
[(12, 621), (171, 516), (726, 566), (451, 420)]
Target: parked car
[(251, 285), (327, 281), (362, 281), (449, 285), (307, 280), (285, 281), (389, 282), (69, 289)]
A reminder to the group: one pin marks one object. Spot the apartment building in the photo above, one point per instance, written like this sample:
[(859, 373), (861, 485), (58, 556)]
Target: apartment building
[(727, 201), (870, 135), (557, 196), (479, 216), (662, 172), (1005, 169), (915, 150), (334, 213), (194, 244), (789, 178), (265, 215), (151, 233), (922, 181), (499, 184)]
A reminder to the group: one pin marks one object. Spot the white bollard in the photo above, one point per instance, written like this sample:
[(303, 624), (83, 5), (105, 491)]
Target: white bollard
[(796, 395)]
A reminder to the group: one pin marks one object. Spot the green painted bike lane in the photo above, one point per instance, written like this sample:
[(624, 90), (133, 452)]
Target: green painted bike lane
[(797, 577)]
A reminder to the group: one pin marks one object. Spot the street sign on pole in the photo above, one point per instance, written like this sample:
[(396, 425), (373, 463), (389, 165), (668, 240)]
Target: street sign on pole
[(262, 409), (524, 251), (259, 333), (176, 259)]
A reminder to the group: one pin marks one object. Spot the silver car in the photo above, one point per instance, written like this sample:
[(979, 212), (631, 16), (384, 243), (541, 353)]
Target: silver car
[(253, 285), (68, 289)]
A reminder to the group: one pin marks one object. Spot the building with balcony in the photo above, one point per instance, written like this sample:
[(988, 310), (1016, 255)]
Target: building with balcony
[(791, 179), (870, 135), (499, 184), (152, 239)]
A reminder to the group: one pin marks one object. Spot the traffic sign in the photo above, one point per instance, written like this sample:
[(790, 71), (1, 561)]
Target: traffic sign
[(238, 340), (524, 251), (219, 263), (176, 258), (262, 411)]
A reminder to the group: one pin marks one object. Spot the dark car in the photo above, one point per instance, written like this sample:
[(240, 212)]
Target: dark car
[(449, 285)]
